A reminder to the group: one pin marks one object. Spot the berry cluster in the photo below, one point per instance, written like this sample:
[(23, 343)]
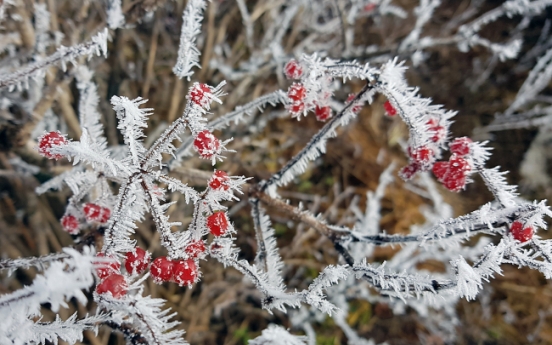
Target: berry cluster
[(49, 140), (453, 174), (112, 281), (182, 272), (296, 94), (421, 159), (96, 213), (207, 145), (93, 213), (521, 233)]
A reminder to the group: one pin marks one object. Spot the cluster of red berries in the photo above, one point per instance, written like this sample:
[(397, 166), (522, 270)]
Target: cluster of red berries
[(182, 272), (453, 174), (92, 213), (297, 93), (112, 281), (49, 140), (421, 159), (521, 233), (206, 144), (200, 94)]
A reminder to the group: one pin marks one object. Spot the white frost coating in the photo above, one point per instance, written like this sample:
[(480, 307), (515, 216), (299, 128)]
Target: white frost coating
[(115, 17), (188, 54), (277, 335), (97, 45), (61, 281)]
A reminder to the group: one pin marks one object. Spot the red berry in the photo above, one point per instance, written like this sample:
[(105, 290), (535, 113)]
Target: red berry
[(162, 269), (520, 233), (137, 261), (389, 108), (195, 248), (96, 213), (421, 155), (457, 163), (217, 223), (49, 140), (461, 146), (293, 70), (206, 144), (297, 92), (409, 171), (70, 224), (200, 94), (184, 272), (220, 180), (454, 183), (323, 113), (114, 284), (356, 107), (110, 265), (440, 169), (297, 108)]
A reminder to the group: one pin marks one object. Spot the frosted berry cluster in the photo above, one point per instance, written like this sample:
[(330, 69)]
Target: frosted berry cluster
[(454, 172), (93, 213)]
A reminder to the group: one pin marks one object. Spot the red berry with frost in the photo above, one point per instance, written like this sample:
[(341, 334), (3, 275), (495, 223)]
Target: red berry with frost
[(220, 181), (297, 108), (293, 70), (356, 107), (184, 272), (195, 248), (323, 113), (421, 155), (70, 224), (49, 140), (520, 233), (217, 223), (200, 94), (454, 183), (206, 144), (461, 146), (96, 213), (162, 269), (297, 92), (107, 266), (114, 284), (409, 171), (137, 261), (457, 163), (440, 169), (389, 108)]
